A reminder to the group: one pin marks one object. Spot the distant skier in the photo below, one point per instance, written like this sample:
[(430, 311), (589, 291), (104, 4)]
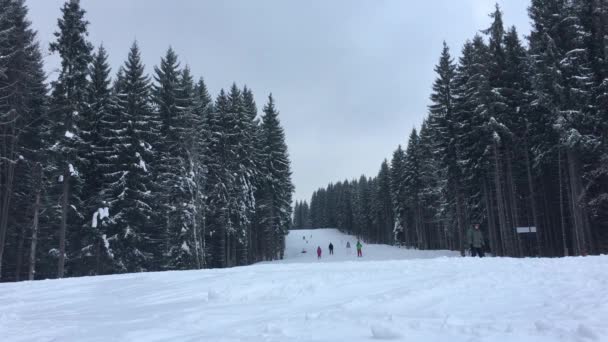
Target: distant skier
[(475, 240), (319, 252), (331, 248), (348, 247), (359, 246)]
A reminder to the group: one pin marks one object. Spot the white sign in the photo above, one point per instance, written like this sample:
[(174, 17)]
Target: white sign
[(521, 230)]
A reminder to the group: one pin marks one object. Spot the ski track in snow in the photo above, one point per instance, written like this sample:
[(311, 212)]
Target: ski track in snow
[(389, 294)]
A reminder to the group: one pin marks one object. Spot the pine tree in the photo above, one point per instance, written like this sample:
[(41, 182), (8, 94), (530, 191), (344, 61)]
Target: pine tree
[(442, 116), (198, 152), (384, 207), (69, 105), (174, 102), (243, 167), (99, 159), (413, 185), (278, 188), (133, 241), (398, 194), (219, 183), (23, 134)]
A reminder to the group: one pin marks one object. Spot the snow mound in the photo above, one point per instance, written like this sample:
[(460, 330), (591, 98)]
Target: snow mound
[(383, 332)]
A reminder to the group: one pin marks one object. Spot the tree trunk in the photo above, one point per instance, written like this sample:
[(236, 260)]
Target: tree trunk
[(502, 221), (512, 203), (8, 191), (34, 242), (492, 233), (561, 205), (98, 257), (581, 224), (460, 218), (532, 197), (64, 218), (19, 260)]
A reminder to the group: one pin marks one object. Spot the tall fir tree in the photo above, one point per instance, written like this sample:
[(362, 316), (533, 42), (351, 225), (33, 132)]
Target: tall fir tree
[(174, 104), (99, 134), (442, 116), (134, 240), (23, 135), (68, 109), (277, 185)]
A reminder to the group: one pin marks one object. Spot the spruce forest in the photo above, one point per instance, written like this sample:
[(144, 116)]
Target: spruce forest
[(107, 172), (516, 136)]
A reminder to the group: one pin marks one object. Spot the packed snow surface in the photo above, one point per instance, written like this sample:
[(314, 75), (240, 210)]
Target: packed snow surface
[(389, 294)]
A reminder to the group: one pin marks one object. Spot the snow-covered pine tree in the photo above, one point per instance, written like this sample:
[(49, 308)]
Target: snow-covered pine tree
[(306, 215), (219, 182), (398, 195), (517, 90), (431, 176), (23, 119), (442, 118), (499, 114), (192, 141), (297, 216), (134, 240), (384, 209), (198, 153), (278, 188), (174, 104), (257, 169), (99, 134), (244, 168), (562, 83), (594, 17), (68, 105), (473, 99), (413, 186)]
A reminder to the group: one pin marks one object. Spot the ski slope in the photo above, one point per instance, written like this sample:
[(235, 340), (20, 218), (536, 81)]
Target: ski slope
[(308, 240), (390, 293)]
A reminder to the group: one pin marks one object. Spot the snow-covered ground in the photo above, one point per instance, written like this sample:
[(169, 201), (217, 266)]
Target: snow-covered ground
[(406, 296), (308, 240)]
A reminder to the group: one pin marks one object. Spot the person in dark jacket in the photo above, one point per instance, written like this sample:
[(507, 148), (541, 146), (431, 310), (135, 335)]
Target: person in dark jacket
[(319, 252), (476, 241), (331, 248)]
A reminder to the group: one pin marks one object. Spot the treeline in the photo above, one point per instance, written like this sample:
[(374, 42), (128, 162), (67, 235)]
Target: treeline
[(102, 175), (301, 216), (515, 137)]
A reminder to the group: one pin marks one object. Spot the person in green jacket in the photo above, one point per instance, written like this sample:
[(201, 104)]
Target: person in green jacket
[(359, 246), (476, 241)]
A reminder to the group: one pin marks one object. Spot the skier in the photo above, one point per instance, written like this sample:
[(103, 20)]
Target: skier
[(348, 247), (319, 252), (359, 246), (475, 240), (331, 248)]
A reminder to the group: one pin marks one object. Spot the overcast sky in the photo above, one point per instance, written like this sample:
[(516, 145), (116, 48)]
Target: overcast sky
[(350, 78)]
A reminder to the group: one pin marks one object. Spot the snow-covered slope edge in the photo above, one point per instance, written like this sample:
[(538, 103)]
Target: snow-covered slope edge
[(440, 299)]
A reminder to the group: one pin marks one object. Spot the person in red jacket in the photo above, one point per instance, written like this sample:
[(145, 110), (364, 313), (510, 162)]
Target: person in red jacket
[(319, 252)]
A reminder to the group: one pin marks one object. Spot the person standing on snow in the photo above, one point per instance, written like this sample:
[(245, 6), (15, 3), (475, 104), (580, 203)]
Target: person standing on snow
[(359, 246), (348, 247), (331, 248), (319, 252), (475, 240)]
